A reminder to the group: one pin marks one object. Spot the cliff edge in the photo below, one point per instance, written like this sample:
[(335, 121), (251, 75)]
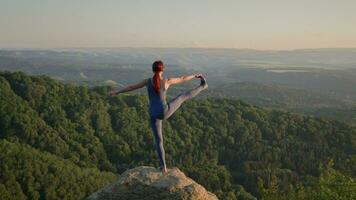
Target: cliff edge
[(150, 184)]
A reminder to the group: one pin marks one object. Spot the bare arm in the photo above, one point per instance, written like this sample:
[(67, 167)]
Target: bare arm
[(182, 79), (129, 88)]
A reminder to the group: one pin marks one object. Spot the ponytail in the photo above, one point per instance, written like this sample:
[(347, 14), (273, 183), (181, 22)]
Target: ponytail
[(157, 67), (156, 82)]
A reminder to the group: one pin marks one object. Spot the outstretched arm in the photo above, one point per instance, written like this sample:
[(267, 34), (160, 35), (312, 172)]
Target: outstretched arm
[(182, 79), (129, 88)]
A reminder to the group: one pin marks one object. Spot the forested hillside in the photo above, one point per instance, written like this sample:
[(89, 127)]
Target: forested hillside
[(60, 141)]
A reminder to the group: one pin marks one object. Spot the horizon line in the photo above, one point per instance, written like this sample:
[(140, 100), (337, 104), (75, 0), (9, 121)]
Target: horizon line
[(151, 47)]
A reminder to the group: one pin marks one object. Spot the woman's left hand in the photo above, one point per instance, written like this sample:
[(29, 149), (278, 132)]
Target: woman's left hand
[(112, 93)]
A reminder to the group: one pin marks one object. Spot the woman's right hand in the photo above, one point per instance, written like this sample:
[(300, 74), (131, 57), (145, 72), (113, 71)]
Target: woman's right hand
[(198, 75)]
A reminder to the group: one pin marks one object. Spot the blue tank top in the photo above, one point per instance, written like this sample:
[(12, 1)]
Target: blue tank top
[(157, 102)]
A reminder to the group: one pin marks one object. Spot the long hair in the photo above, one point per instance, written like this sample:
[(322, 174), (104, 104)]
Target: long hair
[(157, 67)]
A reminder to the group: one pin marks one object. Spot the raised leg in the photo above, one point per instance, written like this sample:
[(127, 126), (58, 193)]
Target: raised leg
[(156, 125), (175, 103)]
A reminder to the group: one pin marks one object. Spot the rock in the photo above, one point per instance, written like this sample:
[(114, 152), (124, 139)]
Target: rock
[(150, 183)]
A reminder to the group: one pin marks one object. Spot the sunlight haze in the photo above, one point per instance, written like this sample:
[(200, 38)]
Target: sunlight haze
[(273, 24)]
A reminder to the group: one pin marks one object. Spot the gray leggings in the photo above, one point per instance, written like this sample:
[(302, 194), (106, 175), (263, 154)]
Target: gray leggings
[(172, 106)]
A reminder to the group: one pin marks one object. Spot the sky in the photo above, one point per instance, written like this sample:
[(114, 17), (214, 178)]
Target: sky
[(253, 24)]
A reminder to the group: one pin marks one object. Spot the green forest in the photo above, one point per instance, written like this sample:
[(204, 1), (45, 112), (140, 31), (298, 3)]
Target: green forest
[(62, 141)]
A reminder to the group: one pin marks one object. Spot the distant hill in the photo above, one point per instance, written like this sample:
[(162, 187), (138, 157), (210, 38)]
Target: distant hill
[(312, 81)]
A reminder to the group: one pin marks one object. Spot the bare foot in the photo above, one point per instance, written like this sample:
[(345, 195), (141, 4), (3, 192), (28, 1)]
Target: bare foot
[(163, 169)]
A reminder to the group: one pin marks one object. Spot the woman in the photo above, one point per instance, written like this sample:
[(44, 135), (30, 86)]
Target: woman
[(159, 109)]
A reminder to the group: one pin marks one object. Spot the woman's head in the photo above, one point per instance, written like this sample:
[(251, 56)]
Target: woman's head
[(157, 68)]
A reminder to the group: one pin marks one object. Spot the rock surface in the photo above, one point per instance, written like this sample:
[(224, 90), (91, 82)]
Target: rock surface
[(150, 184)]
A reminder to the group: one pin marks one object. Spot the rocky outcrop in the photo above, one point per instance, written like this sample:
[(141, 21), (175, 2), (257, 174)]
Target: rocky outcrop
[(150, 184)]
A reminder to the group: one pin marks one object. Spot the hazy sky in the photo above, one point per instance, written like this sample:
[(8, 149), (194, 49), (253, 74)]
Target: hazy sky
[(257, 24)]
